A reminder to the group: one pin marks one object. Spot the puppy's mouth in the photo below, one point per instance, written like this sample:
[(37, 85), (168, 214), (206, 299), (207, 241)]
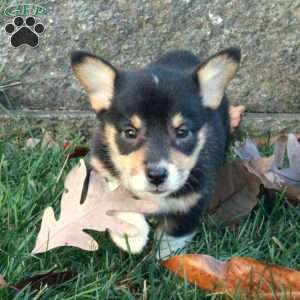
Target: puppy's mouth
[(148, 192), (158, 191)]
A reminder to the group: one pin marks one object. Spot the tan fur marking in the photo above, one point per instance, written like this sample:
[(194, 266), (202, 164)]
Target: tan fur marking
[(177, 120), (128, 164), (136, 121), (181, 204), (98, 104), (214, 77), (187, 162), (97, 164), (136, 160), (97, 79), (213, 67)]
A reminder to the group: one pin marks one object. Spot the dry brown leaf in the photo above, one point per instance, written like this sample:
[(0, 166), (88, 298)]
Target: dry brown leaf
[(269, 169), (247, 151), (290, 175), (245, 277), (235, 114), (2, 282), (77, 151), (283, 136), (239, 182), (47, 141), (50, 278), (96, 213), (235, 195), (262, 141), (32, 142), (279, 150)]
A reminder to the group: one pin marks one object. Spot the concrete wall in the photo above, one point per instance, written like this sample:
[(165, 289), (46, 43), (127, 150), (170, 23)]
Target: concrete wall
[(132, 33)]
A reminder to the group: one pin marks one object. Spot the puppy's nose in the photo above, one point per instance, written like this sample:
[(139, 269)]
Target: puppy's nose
[(156, 175)]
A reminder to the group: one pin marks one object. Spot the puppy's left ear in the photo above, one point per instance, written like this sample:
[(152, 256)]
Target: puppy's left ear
[(215, 74), (97, 76)]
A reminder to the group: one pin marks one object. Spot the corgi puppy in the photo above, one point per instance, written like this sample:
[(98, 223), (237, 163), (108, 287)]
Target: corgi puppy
[(162, 132)]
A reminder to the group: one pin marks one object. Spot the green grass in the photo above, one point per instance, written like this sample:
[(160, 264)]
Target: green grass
[(28, 183)]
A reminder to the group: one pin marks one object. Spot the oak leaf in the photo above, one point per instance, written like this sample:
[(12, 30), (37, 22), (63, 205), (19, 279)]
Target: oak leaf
[(97, 212), (241, 276)]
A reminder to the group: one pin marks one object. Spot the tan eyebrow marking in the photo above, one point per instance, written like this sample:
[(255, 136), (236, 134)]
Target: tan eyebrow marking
[(187, 162), (136, 121), (177, 120), (133, 162)]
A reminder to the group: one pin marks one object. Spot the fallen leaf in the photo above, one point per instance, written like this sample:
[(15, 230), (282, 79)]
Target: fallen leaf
[(239, 182), (2, 282), (247, 151), (244, 277), (66, 145), (46, 141), (279, 150), (235, 194), (262, 141), (235, 113), (269, 169), (283, 136), (291, 174), (51, 278), (78, 151), (32, 142), (95, 213)]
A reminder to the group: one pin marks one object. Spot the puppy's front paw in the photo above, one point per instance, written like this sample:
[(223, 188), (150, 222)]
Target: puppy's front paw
[(136, 243), (169, 245)]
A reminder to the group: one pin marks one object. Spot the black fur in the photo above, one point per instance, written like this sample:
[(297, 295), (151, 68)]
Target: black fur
[(178, 91)]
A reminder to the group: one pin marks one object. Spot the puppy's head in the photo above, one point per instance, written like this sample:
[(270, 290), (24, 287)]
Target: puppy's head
[(154, 119)]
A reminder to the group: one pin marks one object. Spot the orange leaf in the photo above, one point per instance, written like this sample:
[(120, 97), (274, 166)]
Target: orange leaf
[(243, 276)]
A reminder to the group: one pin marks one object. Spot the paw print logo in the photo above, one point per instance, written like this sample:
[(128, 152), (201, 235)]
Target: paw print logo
[(24, 33)]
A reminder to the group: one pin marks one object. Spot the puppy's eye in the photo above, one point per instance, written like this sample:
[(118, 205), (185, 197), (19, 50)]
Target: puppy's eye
[(129, 133), (182, 132)]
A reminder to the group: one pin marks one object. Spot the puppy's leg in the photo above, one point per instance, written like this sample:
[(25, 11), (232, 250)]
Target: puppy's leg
[(175, 232), (136, 243)]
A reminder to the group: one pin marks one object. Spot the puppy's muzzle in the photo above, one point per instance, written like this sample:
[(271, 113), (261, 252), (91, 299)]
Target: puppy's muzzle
[(156, 175)]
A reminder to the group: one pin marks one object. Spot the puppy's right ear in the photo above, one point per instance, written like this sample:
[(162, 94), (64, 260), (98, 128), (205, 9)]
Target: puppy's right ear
[(96, 76)]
